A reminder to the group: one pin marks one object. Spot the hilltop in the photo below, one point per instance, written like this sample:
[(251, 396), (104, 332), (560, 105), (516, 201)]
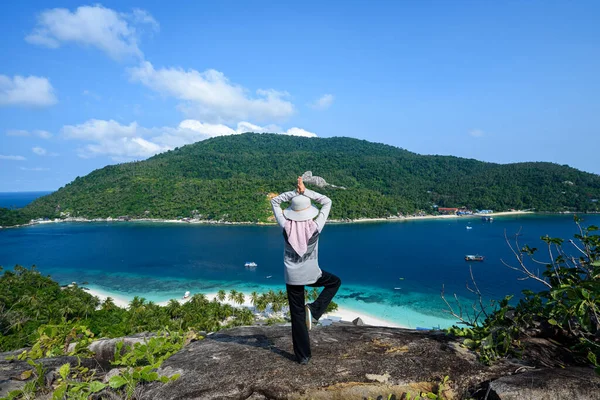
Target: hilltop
[(229, 178)]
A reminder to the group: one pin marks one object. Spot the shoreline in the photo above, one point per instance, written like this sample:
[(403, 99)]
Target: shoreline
[(344, 314), (331, 221)]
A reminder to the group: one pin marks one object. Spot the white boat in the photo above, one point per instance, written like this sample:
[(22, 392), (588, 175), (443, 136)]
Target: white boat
[(186, 295), (397, 288), (251, 264), (269, 276), (469, 227)]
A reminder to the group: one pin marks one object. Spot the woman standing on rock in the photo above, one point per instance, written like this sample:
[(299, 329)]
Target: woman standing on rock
[(301, 231)]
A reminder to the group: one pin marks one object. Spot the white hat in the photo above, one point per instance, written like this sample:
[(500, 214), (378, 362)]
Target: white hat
[(300, 209)]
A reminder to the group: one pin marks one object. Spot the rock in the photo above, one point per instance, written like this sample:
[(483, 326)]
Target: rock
[(348, 362), (358, 322), (563, 384), (10, 370), (104, 349), (111, 373)]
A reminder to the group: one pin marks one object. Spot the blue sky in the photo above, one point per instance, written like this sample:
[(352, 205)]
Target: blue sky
[(83, 85)]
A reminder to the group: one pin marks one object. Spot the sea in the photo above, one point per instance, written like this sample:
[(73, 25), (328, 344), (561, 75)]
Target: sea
[(18, 199), (394, 271)]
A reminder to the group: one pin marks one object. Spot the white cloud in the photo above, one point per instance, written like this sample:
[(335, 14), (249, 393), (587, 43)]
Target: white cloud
[(211, 97), (40, 151), (12, 158), (299, 132), (97, 129), (126, 142), (42, 134), (24, 133), (37, 169), (477, 133), (323, 103), (26, 91), (115, 33)]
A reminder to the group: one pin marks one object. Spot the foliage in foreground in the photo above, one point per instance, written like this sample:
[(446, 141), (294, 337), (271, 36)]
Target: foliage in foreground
[(52, 321), (567, 310), (29, 301)]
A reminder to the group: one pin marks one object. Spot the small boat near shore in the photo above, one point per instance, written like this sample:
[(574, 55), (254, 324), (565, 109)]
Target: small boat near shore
[(251, 264), (476, 257), (186, 295)]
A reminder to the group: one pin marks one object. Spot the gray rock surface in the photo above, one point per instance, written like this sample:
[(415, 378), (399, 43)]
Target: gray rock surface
[(564, 384), (348, 362), (358, 322), (10, 371)]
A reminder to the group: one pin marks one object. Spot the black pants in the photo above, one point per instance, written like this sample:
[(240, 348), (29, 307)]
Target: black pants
[(331, 284)]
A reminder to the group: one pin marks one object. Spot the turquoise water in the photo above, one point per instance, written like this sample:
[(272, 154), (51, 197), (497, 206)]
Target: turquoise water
[(160, 261)]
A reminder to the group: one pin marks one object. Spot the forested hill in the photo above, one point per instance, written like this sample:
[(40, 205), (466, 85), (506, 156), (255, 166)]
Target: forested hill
[(230, 178)]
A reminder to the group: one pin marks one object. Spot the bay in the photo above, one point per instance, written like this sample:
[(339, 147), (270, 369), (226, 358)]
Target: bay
[(390, 270)]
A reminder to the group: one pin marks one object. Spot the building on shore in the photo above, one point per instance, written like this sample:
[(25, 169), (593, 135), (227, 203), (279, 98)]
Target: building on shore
[(447, 210)]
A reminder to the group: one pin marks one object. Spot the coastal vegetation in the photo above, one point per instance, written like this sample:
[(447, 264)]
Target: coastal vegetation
[(566, 310), (49, 320), (229, 178)]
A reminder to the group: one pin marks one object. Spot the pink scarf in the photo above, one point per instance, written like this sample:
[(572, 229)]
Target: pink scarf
[(298, 234)]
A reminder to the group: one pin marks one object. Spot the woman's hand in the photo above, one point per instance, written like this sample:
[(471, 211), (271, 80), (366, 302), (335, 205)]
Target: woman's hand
[(300, 189)]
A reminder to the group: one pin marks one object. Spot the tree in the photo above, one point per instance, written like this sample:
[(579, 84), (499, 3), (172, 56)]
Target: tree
[(254, 298), (568, 309)]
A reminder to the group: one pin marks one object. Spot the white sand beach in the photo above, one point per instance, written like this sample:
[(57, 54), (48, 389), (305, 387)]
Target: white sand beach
[(343, 314)]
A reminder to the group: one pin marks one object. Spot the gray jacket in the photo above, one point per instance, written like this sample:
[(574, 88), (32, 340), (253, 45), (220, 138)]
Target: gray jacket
[(302, 270)]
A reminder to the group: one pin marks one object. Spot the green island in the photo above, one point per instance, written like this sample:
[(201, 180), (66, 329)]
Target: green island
[(230, 178)]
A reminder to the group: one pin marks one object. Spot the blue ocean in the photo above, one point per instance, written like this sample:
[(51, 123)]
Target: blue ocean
[(18, 199), (390, 270)]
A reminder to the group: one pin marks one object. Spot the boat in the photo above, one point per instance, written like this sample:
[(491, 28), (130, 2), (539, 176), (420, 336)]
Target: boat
[(487, 218), (186, 295), (251, 264), (471, 257), (397, 288), (469, 227), (269, 276)]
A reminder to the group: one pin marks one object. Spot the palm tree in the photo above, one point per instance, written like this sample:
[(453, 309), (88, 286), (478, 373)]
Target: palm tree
[(221, 295), (199, 299), (261, 304), (240, 298), (137, 302), (276, 306), (254, 298), (232, 295), (109, 304), (173, 308)]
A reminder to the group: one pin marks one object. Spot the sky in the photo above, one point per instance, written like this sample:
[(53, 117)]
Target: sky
[(83, 85)]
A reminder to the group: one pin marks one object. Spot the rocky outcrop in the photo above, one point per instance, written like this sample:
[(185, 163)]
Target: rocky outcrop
[(349, 362), (11, 372)]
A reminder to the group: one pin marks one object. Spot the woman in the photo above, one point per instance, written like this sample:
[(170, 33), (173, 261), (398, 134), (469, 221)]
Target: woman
[(301, 231)]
